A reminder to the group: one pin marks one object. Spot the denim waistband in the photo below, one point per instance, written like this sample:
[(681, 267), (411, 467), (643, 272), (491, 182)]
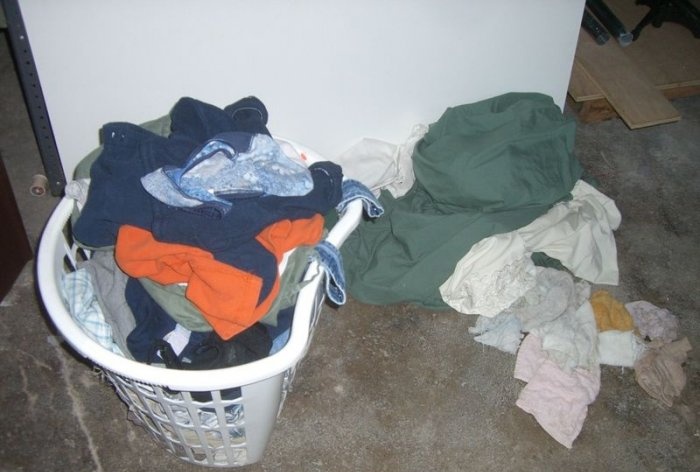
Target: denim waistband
[(352, 190), (328, 256)]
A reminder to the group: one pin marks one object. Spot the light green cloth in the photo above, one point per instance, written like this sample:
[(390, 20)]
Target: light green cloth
[(482, 169), (171, 298), (290, 283)]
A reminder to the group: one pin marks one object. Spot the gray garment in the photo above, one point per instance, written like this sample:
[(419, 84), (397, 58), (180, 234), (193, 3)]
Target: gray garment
[(109, 283)]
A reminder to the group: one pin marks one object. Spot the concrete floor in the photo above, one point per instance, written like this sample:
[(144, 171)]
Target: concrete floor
[(392, 388)]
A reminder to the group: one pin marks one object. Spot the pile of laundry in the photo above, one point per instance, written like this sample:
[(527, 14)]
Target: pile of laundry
[(569, 333), (201, 226), (489, 212)]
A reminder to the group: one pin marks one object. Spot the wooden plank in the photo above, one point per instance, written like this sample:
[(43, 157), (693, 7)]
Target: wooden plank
[(680, 92), (583, 89), (595, 111), (669, 56), (633, 96), (581, 86)]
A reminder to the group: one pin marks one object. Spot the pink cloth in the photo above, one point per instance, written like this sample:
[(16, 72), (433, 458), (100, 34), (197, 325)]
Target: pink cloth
[(558, 400)]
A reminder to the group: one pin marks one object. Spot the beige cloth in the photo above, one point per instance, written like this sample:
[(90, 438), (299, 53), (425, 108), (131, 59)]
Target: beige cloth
[(660, 371), (498, 270), (380, 165)]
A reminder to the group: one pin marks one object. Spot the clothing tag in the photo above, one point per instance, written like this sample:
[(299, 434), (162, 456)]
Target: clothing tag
[(178, 338)]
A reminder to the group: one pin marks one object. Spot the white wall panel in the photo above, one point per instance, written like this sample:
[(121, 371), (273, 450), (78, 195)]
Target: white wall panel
[(329, 72)]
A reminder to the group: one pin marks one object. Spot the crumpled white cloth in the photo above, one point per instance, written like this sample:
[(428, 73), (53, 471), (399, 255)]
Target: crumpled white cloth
[(555, 292), (571, 340), (653, 322), (557, 310), (619, 348), (502, 332), (381, 165), (496, 272), (579, 233), (557, 399)]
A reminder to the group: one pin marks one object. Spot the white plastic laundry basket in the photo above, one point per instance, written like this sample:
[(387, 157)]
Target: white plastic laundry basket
[(219, 418)]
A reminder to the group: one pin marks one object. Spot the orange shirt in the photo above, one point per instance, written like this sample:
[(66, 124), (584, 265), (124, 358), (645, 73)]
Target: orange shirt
[(226, 296)]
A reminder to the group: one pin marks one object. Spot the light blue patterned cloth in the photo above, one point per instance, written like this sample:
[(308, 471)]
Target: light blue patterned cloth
[(229, 166), (78, 293)]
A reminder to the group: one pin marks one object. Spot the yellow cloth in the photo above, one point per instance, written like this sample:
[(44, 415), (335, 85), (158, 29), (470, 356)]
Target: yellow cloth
[(610, 313)]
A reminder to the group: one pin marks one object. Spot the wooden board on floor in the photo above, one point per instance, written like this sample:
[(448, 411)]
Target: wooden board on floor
[(581, 86), (634, 97), (669, 55)]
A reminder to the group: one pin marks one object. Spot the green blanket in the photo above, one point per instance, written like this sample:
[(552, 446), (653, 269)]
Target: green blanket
[(482, 169)]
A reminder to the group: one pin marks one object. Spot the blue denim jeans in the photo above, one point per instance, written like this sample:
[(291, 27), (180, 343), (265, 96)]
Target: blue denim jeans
[(330, 260), (353, 190), (328, 256)]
